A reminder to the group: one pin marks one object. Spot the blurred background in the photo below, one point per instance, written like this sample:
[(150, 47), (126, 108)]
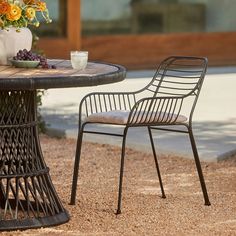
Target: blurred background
[(140, 33)]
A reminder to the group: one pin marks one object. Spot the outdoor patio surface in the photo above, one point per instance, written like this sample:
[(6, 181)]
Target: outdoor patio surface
[(144, 212)]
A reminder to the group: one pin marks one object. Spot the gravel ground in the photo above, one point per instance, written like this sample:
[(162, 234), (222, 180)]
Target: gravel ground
[(144, 212)]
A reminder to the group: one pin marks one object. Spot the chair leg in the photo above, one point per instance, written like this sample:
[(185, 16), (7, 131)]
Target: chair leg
[(121, 171), (76, 166), (199, 168), (156, 162)]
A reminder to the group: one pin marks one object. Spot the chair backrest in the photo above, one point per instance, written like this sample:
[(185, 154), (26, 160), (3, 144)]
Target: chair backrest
[(178, 81), (178, 76)]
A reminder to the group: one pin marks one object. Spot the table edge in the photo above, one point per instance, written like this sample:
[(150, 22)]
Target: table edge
[(64, 81)]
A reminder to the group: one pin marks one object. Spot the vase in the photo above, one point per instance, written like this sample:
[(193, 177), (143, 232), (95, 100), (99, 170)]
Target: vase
[(11, 41)]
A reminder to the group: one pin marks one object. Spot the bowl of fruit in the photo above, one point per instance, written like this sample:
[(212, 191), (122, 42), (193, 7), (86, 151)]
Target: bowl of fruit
[(29, 59)]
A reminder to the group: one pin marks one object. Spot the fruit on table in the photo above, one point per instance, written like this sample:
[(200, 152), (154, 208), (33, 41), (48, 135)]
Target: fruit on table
[(25, 55)]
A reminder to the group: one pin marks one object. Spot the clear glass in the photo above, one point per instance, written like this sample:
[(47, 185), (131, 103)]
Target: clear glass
[(79, 59), (101, 17)]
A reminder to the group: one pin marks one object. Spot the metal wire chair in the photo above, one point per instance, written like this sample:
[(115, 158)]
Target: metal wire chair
[(172, 92)]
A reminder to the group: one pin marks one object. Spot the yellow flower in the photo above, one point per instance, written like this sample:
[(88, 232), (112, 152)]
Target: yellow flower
[(4, 7), (41, 6), (30, 13), (20, 13), (14, 13)]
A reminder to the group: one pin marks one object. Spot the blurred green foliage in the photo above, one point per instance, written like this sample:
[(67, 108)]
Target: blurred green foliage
[(41, 123)]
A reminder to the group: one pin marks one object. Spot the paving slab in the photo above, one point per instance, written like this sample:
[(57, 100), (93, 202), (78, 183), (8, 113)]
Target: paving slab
[(214, 118)]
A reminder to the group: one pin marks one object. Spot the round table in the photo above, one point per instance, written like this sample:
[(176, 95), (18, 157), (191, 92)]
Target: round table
[(27, 196)]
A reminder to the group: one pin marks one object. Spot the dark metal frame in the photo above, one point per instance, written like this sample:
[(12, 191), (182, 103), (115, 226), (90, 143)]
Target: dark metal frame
[(27, 196), (177, 79)]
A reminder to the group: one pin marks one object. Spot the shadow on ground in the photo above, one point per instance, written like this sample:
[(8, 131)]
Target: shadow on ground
[(215, 140)]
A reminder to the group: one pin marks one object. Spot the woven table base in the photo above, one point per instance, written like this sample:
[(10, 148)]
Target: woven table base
[(27, 196)]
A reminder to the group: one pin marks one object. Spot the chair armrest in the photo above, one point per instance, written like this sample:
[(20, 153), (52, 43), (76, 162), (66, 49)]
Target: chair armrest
[(105, 101), (156, 110)]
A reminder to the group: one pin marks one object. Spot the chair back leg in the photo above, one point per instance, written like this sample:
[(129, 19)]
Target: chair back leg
[(76, 166), (122, 162), (199, 168), (156, 163)]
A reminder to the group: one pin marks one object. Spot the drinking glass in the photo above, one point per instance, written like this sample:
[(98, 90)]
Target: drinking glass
[(79, 59)]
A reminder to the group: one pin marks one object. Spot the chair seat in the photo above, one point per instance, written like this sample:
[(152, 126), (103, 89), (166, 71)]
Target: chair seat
[(121, 117)]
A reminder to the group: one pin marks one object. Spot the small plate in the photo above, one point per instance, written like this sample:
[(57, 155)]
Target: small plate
[(24, 64)]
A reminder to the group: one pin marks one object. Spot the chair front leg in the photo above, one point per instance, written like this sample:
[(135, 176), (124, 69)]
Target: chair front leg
[(156, 163), (76, 166), (122, 161), (199, 168)]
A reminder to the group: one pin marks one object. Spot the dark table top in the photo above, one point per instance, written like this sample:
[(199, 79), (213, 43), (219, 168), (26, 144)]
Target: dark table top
[(96, 73)]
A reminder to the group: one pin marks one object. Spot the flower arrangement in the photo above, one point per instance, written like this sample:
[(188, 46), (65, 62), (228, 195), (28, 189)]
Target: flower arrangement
[(21, 13)]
